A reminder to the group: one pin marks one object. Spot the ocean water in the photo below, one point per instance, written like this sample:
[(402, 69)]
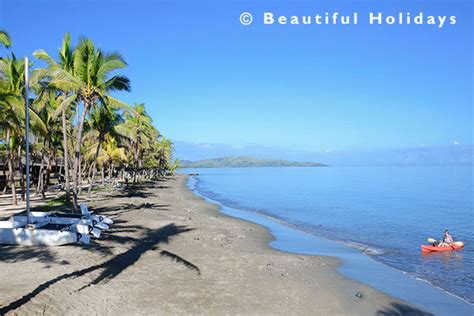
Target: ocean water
[(384, 212)]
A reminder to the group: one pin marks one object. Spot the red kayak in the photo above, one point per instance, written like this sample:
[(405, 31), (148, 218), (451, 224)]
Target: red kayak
[(454, 246)]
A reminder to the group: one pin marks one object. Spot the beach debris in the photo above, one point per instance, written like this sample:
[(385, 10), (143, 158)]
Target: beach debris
[(359, 295)]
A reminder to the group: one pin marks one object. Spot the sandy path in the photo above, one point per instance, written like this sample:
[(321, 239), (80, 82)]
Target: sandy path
[(169, 252)]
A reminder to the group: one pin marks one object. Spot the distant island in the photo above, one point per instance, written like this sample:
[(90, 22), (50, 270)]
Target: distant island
[(245, 162)]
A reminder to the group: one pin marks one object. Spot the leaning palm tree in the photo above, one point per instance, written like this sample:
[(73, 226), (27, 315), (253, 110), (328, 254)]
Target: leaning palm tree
[(89, 83)]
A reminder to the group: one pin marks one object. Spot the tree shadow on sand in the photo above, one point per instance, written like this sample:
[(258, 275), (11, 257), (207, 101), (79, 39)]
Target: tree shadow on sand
[(14, 253), (114, 266), (129, 207), (140, 191), (180, 260), (397, 309), (136, 192)]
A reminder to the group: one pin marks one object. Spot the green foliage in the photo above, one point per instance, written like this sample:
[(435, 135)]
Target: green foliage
[(59, 201), (110, 134), (5, 39)]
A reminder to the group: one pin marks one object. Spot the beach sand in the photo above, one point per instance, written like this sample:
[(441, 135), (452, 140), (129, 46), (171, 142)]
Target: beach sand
[(170, 252)]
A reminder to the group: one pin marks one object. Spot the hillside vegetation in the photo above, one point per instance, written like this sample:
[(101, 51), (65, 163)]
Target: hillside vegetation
[(235, 162)]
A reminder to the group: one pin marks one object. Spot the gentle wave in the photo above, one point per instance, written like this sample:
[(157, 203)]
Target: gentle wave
[(439, 288)]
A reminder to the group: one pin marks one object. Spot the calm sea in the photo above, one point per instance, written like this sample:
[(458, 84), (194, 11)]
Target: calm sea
[(385, 212)]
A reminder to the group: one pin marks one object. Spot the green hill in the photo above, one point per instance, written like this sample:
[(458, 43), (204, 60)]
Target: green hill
[(243, 162)]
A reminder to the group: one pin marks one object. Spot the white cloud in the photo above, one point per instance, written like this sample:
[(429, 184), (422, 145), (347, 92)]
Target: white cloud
[(456, 143)]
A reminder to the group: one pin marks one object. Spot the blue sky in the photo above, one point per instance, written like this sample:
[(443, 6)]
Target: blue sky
[(207, 80)]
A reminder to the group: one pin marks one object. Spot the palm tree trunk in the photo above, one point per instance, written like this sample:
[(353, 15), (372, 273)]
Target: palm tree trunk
[(80, 176), (77, 156), (66, 158), (90, 180), (40, 176), (93, 167), (110, 175), (137, 144), (11, 171), (22, 179), (49, 167), (6, 178)]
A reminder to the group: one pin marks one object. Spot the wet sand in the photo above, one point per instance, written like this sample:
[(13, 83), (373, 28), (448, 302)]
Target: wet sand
[(169, 252)]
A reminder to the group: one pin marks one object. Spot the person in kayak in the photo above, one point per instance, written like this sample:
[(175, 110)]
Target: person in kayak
[(447, 237), (447, 240)]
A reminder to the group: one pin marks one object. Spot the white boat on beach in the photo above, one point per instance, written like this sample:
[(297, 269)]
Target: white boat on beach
[(53, 228), (42, 233), (81, 226), (97, 221)]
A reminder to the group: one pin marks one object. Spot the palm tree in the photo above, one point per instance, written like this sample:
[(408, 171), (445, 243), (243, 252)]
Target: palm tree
[(11, 73), (4, 41), (47, 104), (102, 122), (165, 149), (110, 156), (89, 84), (64, 100), (72, 101), (12, 113), (138, 128)]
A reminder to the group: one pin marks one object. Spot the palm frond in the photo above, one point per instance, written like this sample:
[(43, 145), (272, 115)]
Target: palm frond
[(5, 39)]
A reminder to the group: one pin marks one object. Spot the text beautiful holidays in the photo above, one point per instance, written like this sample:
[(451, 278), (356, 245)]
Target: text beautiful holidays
[(372, 18)]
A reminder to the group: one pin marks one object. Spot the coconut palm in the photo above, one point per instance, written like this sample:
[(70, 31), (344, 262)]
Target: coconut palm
[(111, 155), (72, 110), (48, 142), (4, 133), (89, 83), (64, 100), (165, 149), (139, 130), (12, 113), (102, 123)]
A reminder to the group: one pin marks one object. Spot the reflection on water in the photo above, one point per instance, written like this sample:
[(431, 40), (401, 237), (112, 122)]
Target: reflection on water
[(444, 257)]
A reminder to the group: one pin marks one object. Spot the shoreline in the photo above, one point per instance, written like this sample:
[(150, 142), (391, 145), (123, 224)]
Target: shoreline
[(171, 252), (354, 263), (333, 262)]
